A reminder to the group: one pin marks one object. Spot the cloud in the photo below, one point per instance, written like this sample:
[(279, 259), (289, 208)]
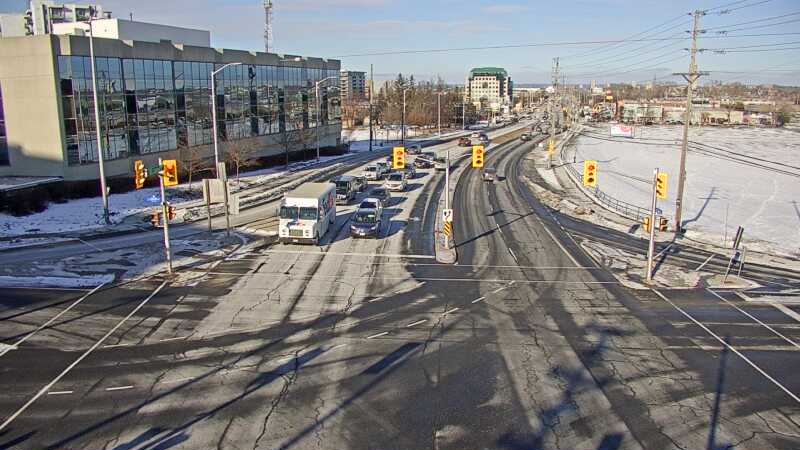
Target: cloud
[(507, 8)]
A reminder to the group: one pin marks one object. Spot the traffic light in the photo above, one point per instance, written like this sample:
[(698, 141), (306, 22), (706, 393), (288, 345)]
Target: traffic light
[(398, 158), (155, 218), (170, 168), (139, 174), (170, 213), (590, 173), (661, 185), (477, 156), (646, 223), (551, 146)]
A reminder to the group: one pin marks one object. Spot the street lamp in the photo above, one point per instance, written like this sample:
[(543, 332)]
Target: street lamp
[(403, 122), (439, 113), (319, 106), (214, 112), (100, 157)]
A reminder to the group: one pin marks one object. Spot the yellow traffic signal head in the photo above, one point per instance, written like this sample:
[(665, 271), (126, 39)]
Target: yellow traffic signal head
[(398, 158), (170, 168), (478, 154), (661, 185), (139, 174), (590, 173)]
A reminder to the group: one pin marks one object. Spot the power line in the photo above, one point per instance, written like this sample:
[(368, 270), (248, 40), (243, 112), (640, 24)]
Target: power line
[(759, 26), (595, 51), (751, 46), (757, 51), (626, 56), (633, 64), (752, 21), (743, 7)]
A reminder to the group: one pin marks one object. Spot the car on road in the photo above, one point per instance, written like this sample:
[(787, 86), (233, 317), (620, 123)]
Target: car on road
[(346, 188), (384, 167), (489, 174), (366, 222), (409, 172), (372, 203), (464, 142), (396, 181), (414, 149), (422, 163), (361, 183), (525, 137), (372, 173), (382, 194), (440, 164), (476, 135)]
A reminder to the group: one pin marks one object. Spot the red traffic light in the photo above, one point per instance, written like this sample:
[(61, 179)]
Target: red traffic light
[(398, 153), (478, 151), (590, 167)]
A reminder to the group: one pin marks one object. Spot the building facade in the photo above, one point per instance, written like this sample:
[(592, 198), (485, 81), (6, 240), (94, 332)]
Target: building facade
[(353, 85), (136, 31), (43, 16), (155, 102), (489, 88)]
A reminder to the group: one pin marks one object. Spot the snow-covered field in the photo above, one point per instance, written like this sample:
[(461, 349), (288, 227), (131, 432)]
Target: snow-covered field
[(764, 200)]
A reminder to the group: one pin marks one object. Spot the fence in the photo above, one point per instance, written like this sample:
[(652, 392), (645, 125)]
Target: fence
[(622, 208)]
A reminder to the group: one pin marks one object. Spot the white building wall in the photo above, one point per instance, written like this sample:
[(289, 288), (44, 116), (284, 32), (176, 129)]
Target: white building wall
[(12, 25), (137, 31)]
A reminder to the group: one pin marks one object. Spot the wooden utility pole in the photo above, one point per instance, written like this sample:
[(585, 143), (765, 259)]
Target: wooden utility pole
[(553, 109), (691, 77)]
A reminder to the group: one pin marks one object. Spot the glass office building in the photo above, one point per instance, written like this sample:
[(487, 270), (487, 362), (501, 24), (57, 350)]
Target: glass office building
[(150, 105)]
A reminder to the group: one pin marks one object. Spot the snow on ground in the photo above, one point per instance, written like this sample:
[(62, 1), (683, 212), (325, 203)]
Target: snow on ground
[(718, 192), (84, 281)]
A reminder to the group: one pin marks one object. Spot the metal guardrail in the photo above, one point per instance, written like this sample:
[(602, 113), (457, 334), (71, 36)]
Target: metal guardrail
[(621, 207)]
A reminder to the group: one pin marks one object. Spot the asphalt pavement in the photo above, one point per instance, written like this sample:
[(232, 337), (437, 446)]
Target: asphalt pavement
[(370, 344)]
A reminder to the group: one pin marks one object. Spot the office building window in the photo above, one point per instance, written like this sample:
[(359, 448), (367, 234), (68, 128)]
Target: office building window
[(4, 159)]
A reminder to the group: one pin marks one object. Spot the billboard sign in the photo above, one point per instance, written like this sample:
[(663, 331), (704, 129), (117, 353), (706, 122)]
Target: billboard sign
[(620, 130)]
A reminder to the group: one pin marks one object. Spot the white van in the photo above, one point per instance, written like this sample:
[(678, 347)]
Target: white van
[(307, 213)]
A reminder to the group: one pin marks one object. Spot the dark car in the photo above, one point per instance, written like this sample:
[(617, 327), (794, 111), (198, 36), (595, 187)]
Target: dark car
[(464, 142), (409, 172), (382, 194), (365, 223), (361, 183), (422, 163), (414, 149)]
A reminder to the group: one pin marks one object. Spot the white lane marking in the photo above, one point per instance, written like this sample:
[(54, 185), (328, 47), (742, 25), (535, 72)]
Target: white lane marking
[(451, 311), (120, 388), (663, 251), (479, 299), (730, 347), (173, 338), (59, 392), (780, 307), (117, 345), (52, 319), (705, 262), (413, 324), (369, 277), (777, 333), (376, 299), (512, 254), (377, 255), (177, 380), (483, 266), (80, 358), (337, 346), (553, 237), (378, 335)]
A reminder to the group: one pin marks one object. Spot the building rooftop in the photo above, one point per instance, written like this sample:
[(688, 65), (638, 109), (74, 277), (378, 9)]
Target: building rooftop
[(488, 71)]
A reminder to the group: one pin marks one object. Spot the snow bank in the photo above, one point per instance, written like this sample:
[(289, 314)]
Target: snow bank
[(719, 194), (88, 281)]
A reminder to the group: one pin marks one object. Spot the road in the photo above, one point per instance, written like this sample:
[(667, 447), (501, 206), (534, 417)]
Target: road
[(362, 344)]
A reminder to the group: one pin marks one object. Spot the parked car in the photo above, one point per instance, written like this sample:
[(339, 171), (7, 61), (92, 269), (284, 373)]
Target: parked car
[(382, 194), (365, 223), (372, 203), (409, 172), (396, 181), (361, 183), (464, 142), (372, 173), (489, 174), (414, 149)]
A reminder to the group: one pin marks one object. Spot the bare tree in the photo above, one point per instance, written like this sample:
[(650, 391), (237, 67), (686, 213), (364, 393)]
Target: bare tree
[(193, 162), (239, 153), (296, 137)]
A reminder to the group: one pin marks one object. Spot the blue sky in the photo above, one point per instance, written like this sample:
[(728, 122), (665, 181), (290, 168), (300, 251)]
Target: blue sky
[(331, 28)]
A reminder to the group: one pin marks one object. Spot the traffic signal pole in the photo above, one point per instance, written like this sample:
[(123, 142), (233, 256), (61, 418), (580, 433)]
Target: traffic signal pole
[(447, 194), (651, 245), (165, 218)]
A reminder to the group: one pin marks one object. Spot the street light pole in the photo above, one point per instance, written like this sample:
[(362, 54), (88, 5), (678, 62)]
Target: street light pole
[(319, 106), (439, 114), (100, 156), (214, 112), (403, 122)]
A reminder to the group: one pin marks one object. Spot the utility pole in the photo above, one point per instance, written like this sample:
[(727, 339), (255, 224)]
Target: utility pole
[(165, 216), (553, 114), (403, 127), (371, 115), (690, 77), (100, 156), (447, 194)]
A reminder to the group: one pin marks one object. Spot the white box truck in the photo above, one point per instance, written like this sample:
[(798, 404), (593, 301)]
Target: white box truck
[(307, 213)]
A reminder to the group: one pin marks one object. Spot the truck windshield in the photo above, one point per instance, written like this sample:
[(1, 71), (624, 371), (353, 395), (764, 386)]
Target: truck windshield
[(342, 187), (289, 212), (371, 169), (308, 213)]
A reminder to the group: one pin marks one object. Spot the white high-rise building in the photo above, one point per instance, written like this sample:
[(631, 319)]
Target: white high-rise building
[(43, 15), (489, 88)]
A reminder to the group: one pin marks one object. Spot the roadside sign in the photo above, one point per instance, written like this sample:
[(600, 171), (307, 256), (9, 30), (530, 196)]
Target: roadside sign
[(213, 190), (447, 215), (659, 211)]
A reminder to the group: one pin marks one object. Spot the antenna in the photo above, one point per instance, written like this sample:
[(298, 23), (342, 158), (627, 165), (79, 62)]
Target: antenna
[(268, 46)]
